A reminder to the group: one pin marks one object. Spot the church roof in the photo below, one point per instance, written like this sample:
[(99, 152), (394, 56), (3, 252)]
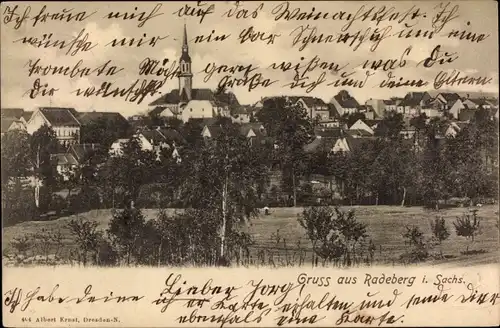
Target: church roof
[(173, 97)]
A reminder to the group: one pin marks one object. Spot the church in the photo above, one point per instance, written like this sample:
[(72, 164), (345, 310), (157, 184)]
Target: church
[(187, 102)]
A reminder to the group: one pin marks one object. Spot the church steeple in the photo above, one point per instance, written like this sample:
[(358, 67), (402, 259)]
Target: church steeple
[(185, 76), (184, 41)]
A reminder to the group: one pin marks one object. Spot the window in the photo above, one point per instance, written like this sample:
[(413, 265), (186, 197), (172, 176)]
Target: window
[(190, 109)]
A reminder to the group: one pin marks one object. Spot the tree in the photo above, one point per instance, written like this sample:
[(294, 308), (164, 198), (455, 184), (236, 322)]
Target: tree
[(126, 231), (334, 234), (468, 226), (440, 231), (391, 126), (43, 143), (130, 170), (15, 156), (104, 131), (291, 129), (222, 177), (87, 238), (434, 180)]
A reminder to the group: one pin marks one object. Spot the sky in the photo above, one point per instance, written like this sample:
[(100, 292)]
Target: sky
[(474, 59)]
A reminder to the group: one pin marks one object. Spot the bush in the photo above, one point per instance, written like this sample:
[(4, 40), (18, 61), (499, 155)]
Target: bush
[(86, 200), (418, 246), (468, 226), (440, 231), (57, 204), (126, 232), (106, 254), (86, 237), (336, 236)]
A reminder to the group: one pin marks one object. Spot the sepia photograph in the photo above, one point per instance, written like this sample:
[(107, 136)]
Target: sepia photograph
[(292, 135)]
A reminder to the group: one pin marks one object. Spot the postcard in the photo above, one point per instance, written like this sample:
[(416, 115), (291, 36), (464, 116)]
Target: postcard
[(250, 163)]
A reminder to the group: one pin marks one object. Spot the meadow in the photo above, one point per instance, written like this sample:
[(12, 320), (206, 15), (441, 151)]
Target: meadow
[(280, 235)]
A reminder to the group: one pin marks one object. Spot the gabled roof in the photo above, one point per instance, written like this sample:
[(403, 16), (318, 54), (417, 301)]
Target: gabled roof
[(12, 112), (332, 133), (480, 101), (63, 159), (111, 117), (413, 99), (171, 97), (311, 101), (346, 100), (239, 110), (201, 122), (372, 123), (7, 123), (214, 130), (153, 136), (450, 97), (334, 112), (171, 135), (58, 116), (359, 133), (354, 143), (221, 99), (466, 115), (320, 145), (27, 115), (258, 128), (79, 151)]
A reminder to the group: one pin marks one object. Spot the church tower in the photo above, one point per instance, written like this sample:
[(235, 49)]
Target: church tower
[(185, 76)]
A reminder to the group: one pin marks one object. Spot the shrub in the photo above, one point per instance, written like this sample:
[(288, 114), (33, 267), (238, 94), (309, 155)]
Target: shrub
[(86, 236), (468, 226), (57, 204), (440, 230), (418, 251), (106, 254), (126, 232), (335, 235)]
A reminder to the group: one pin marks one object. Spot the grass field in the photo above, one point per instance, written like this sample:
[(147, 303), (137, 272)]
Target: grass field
[(385, 225)]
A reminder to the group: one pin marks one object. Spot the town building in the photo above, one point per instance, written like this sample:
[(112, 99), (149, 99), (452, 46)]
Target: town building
[(187, 102)]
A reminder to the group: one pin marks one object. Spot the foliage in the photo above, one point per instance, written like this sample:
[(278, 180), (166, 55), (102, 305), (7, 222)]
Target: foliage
[(391, 126), (87, 238), (291, 129), (104, 131), (419, 247), (468, 226), (15, 156), (336, 236), (126, 232), (223, 176), (440, 230), (129, 171)]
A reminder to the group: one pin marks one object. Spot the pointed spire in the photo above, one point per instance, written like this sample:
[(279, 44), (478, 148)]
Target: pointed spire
[(184, 41)]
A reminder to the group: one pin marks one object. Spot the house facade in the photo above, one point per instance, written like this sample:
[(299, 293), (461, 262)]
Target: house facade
[(9, 124), (413, 103), (345, 103), (63, 121)]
